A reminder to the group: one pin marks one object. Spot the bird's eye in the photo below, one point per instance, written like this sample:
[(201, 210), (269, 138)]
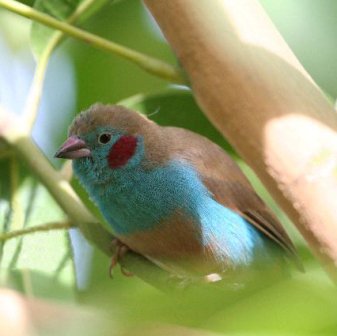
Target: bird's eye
[(104, 138)]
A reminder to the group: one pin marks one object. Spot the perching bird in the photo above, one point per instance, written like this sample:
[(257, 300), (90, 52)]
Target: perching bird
[(172, 195)]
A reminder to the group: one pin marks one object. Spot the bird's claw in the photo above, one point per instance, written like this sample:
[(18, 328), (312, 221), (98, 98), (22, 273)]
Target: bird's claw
[(120, 250)]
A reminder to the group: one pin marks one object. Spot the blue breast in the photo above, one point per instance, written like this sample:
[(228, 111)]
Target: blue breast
[(137, 200)]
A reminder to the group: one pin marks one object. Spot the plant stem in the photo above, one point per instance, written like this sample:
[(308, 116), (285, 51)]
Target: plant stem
[(35, 92), (37, 228), (148, 63)]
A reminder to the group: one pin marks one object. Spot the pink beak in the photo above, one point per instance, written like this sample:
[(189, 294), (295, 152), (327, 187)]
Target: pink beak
[(73, 148)]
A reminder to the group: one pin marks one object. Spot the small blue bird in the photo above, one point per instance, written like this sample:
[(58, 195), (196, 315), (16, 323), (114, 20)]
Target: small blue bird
[(172, 195)]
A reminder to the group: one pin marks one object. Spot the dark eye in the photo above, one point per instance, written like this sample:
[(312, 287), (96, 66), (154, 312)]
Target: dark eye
[(104, 138)]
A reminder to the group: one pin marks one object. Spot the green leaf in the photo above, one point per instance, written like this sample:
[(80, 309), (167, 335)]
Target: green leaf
[(303, 306), (37, 264), (44, 39)]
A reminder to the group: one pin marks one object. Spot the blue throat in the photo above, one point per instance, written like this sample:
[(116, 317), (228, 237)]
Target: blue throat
[(134, 200)]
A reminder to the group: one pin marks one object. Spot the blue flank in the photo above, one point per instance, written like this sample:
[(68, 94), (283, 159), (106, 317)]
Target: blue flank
[(133, 199)]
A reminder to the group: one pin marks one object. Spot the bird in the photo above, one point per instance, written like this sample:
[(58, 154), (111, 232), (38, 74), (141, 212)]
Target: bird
[(173, 196)]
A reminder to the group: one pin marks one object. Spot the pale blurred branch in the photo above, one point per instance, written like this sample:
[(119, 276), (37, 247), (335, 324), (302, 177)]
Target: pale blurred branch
[(21, 315), (66, 171), (35, 92)]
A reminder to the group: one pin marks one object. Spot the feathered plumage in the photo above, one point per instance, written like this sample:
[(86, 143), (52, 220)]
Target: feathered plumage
[(172, 195)]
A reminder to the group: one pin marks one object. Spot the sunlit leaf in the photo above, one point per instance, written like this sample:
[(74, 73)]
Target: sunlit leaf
[(303, 306)]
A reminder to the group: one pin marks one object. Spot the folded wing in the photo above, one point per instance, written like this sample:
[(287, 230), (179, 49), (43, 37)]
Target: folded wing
[(228, 185)]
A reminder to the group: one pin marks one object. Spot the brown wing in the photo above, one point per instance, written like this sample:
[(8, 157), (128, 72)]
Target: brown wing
[(214, 167)]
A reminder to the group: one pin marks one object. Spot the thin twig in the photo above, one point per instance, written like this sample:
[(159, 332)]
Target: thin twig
[(148, 63), (35, 92), (38, 228)]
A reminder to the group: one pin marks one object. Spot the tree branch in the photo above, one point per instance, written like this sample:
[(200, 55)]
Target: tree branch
[(150, 64), (258, 95)]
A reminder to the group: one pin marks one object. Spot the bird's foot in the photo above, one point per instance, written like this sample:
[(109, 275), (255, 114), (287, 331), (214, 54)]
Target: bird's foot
[(120, 250)]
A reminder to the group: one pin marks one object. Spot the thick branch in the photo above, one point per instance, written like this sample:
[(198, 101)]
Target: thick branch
[(257, 94)]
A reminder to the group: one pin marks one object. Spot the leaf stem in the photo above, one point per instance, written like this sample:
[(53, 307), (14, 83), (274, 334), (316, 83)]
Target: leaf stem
[(148, 63), (37, 228), (35, 92)]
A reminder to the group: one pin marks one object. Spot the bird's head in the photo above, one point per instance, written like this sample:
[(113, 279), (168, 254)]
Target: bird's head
[(108, 140)]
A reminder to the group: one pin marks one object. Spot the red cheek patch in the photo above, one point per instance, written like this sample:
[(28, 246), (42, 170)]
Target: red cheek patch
[(122, 151)]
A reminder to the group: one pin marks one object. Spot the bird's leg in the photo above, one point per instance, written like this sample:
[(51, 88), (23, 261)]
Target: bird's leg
[(120, 250)]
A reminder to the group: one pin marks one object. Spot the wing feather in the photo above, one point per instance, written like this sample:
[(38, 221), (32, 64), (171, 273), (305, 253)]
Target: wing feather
[(215, 166)]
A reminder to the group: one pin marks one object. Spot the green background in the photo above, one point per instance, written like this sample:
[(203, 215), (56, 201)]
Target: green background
[(80, 75)]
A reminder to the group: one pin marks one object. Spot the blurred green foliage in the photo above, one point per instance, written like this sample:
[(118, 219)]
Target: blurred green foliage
[(309, 27), (302, 305)]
